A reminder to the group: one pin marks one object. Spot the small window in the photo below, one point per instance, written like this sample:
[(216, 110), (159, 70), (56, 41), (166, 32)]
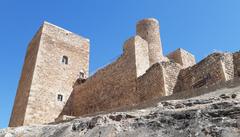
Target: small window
[(65, 60), (82, 75), (60, 97)]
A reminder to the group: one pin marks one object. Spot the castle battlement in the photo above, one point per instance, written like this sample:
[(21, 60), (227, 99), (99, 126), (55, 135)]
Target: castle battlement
[(58, 83)]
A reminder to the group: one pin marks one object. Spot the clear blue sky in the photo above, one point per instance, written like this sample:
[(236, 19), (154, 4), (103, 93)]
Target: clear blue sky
[(199, 26)]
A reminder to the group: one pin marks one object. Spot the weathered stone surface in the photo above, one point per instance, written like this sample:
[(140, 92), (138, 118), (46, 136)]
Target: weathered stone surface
[(148, 29), (140, 74), (213, 69), (208, 115), (170, 74), (24, 85), (236, 60), (151, 84), (113, 86), (45, 76), (182, 57), (158, 81)]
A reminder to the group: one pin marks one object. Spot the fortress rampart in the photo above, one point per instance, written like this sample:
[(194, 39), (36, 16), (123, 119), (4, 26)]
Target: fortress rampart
[(159, 80), (114, 85), (182, 57), (55, 81), (213, 69)]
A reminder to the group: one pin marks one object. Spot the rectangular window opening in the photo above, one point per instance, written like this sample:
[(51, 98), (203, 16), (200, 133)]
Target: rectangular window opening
[(65, 60), (60, 97)]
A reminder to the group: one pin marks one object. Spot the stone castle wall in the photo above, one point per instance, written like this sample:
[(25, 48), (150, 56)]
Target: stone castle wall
[(24, 85), (151, 84), (114, 85), (182, 57), (171, 71), (215, 68), (159, 80), (141, 74)]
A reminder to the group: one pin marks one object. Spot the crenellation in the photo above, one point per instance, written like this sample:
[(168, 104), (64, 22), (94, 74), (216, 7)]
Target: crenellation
[(55, 82)]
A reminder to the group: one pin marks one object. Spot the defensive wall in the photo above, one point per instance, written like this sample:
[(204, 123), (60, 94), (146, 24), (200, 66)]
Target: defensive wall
[(114, 85), (161, 79), (182, 57), (213, 69), (229, 85), (57, 63), (121, 83)]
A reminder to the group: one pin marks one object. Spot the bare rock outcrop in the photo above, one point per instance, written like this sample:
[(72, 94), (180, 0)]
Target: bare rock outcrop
[(216, 114)]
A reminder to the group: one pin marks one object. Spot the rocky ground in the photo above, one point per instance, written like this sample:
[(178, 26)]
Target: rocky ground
[(216, 114)]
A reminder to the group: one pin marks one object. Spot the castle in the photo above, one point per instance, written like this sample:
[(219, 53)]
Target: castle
[(55, 78)]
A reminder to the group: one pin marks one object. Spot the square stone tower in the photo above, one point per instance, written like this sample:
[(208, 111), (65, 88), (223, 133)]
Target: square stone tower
[(55, 59)]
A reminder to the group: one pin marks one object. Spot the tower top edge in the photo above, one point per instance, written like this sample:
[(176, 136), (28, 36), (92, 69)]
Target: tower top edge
[(148, 20), (48, 24)]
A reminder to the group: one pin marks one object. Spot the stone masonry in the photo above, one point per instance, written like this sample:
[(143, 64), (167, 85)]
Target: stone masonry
[(182, 57), (148, 29), (215, 68), (114, 85), (52, 64), (236, 58), (159, 80), (55, 84)]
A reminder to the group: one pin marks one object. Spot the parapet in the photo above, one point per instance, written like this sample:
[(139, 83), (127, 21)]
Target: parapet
[(182, 57)]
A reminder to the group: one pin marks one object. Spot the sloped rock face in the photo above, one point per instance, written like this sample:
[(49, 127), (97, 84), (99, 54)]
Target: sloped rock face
[(216, 114)]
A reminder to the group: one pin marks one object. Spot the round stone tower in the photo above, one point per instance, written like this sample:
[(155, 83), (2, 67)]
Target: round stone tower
[(148, 29)]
